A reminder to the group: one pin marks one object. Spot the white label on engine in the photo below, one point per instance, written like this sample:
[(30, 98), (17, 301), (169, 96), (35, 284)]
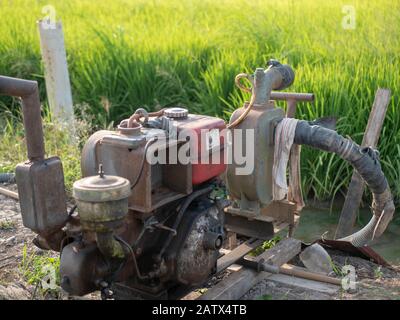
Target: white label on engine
[(212, 139)]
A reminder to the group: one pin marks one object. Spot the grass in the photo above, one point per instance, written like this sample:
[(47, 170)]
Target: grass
[(336, 269), (39, 269), (265, 297), (127, 54), (378, 274), (7, 225), (13, 147), (268, 244)]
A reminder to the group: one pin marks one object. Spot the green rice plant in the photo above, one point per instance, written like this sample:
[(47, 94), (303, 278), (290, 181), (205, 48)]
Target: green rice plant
[(57, 143), (126, 54)]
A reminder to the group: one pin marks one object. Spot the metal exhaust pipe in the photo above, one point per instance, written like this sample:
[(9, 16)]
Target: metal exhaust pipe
[(29, 93)]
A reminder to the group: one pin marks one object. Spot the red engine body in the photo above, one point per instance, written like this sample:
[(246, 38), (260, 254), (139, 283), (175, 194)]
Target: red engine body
[(210, 145)]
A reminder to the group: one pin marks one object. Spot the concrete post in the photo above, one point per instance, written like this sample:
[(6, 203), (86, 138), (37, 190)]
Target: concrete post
[(56, 73)]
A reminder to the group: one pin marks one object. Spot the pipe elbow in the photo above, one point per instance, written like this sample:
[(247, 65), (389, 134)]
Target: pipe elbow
[(109, 246), (284, 75), (366, 162), (276, 77)]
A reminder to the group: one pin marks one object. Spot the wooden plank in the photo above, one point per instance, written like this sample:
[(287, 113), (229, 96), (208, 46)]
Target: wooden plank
[(232, 240), (356, 187), (238, 283), (238, 253), (304, 283), (281, 253), (233, 287)]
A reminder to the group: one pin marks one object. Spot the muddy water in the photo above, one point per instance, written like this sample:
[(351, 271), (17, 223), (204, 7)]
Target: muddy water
[(315, 222)]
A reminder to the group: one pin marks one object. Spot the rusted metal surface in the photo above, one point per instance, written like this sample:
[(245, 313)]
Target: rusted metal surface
[(102, 202), (29, 94), (142, 113), (40, 181), (271, 219), (124, 155), (365, 252), (253, 190), (42, 195), (276, 77), (195, 261), (292, 96), (250, 228), (81, 268)]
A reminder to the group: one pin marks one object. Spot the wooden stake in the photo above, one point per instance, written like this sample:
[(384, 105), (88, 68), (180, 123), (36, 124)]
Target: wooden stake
[(356, 187)]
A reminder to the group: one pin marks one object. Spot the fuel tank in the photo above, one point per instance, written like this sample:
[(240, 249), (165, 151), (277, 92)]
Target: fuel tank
[(210, 145)]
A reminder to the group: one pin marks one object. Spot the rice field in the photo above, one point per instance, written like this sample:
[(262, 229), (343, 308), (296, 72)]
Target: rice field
[(125, 54)]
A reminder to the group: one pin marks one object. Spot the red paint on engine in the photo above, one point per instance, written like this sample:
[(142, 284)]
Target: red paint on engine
[(206, 128)]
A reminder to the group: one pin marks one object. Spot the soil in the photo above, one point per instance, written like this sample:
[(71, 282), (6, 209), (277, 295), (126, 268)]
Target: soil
[(373, 281), (14, 238)]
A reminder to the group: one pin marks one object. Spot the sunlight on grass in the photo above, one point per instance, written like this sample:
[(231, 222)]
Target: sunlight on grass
[(155, 53)]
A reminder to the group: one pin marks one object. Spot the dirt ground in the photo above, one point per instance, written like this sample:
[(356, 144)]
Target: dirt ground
[(373, 281), (13, 238)]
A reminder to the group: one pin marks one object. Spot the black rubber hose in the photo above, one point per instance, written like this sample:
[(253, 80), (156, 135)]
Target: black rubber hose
[(7, 177), (366, 162)]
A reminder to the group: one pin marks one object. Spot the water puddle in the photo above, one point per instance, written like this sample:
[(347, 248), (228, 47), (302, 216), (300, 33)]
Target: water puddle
[(315, 222)]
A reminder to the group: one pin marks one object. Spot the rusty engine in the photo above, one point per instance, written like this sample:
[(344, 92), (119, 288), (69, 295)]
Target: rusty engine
[(145, 221)]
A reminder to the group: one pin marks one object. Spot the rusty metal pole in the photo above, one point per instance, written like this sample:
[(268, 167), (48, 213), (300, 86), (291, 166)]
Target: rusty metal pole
[(288, 96), (29, 93), (290, 113), (291, 108)]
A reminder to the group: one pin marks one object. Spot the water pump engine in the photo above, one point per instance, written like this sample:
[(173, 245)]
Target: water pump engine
[(148, 219)]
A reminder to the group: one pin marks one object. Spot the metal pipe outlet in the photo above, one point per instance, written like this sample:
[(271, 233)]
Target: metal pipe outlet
[(29, 93)]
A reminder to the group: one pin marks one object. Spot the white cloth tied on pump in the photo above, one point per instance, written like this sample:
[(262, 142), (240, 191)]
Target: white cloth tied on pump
[(284, 148)]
